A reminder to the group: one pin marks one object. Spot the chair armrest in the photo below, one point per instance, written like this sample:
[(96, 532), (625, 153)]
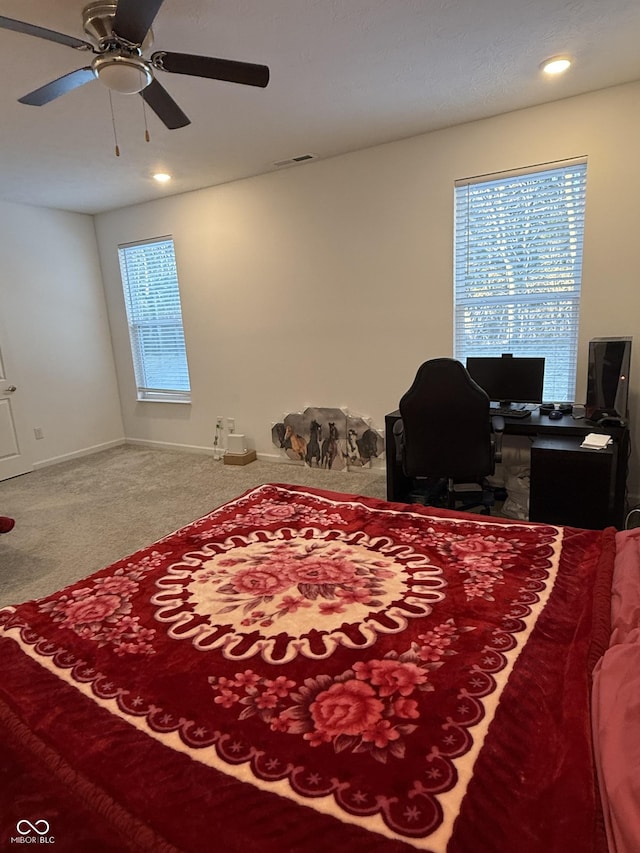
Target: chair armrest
[(398, 437), (497, 424)]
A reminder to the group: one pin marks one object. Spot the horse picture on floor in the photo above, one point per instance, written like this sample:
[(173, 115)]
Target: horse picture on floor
[(313, 446), (329, 438), (278, 433), (351, 453), (368, 445), (296, 443), (330, 447)]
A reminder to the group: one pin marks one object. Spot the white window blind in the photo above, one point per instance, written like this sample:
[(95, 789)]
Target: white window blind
[(518, 268), (152, 298)]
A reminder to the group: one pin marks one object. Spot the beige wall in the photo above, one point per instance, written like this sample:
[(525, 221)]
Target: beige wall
[(55, 333), (328, 284)]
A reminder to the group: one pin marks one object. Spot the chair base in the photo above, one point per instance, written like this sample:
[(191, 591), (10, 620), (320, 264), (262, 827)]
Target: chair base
[(465, 497)]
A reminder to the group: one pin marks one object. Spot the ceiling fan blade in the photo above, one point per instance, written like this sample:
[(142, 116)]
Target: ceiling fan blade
[(41, 32), (59, 87), (133, 18), (163, 105), (216, 69)]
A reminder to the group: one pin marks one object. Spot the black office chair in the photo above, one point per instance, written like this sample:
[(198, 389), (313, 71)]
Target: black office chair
[(446, 439)]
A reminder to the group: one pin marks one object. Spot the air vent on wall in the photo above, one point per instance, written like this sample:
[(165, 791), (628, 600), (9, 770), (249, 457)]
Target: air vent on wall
[(292, 161)]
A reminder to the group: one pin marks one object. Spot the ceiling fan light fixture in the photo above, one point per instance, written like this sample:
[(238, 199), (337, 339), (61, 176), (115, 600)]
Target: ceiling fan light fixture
[(122, 74), (556, 65)]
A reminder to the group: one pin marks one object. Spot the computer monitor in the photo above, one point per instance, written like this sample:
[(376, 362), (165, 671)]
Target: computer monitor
[(608, 377), (508, 380)]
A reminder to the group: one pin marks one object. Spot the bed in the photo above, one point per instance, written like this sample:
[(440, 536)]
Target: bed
[(301, 670)]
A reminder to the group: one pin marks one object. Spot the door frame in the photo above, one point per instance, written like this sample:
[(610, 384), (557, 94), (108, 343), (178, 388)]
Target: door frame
[(22, 462)]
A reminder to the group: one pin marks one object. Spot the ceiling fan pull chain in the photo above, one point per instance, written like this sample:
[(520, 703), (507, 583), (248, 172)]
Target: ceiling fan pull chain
[(113, 122), (146, 128)]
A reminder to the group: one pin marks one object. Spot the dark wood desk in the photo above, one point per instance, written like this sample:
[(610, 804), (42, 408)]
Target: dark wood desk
[(569, 485)]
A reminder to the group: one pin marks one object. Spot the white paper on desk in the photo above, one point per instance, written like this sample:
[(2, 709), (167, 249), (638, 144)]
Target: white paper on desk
[(595, 441)]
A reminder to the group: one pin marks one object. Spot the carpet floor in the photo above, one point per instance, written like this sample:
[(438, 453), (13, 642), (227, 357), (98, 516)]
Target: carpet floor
[(77, 517)]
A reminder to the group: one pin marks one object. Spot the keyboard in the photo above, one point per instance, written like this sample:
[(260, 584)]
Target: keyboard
[(510, 412)]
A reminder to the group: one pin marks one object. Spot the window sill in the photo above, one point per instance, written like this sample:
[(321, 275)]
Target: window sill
[(168, 397)]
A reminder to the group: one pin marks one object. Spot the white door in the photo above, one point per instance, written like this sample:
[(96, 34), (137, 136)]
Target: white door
[(14, 459)]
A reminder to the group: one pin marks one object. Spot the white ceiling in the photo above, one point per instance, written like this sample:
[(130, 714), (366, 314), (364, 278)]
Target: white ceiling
[(345, 75)]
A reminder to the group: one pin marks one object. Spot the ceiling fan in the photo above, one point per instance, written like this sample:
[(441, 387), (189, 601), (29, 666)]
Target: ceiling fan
[(121, 33)]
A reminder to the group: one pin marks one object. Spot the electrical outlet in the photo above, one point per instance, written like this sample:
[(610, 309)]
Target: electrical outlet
[(231, 424), (219, 422), (38, 432)]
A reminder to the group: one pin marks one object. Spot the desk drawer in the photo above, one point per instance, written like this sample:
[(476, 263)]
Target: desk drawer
[(571, 485)]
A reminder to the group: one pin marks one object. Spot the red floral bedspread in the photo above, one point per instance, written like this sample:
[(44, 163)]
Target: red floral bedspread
[(301, 670)]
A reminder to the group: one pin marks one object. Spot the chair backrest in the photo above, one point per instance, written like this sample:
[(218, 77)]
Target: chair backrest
[(447, 424)]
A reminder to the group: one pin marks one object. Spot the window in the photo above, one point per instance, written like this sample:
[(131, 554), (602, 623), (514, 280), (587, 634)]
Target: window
[(152, 298), (518, 267)]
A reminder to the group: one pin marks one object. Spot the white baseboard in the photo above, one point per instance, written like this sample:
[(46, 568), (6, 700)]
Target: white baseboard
[(277, 457), (167, 445), (77, 454)]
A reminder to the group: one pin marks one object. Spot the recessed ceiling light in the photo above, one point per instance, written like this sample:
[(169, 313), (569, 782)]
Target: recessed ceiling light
[(161, 177), (556, 65)]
